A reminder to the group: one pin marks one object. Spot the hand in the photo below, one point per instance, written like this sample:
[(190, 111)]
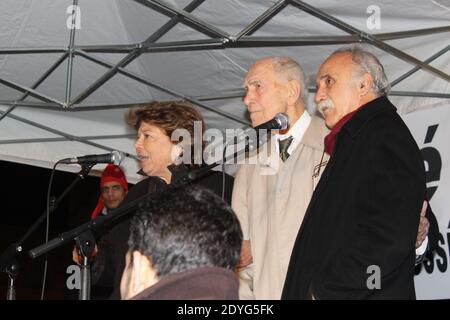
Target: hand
[(424, 225), (246, 254), (76, 255)]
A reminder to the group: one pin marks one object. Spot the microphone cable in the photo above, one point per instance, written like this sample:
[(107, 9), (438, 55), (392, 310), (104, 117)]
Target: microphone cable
[(47, 228)]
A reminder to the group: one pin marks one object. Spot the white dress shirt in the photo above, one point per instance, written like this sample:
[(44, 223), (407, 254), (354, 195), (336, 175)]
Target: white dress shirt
[(297, 131)]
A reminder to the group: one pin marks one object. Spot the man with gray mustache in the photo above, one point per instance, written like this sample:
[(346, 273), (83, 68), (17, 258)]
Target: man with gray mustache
[(322, 105), (357, 239)]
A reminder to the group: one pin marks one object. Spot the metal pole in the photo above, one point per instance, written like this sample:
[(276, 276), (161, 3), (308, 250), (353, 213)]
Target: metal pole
[(40, 140), (11, 291), (85, 289), (12, 271), (30, 91), (368, 38), (60, 133), (71, 53), (417, 68), (262, 19), (35, 85), (135, 53), (251, 28), (32, 50), (187, 18), (150, 83)]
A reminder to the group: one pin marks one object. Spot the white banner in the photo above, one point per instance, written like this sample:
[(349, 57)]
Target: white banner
[(431, 129)]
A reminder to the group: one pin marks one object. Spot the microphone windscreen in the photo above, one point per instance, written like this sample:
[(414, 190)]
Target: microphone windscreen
[(283, 120), (118, 157)]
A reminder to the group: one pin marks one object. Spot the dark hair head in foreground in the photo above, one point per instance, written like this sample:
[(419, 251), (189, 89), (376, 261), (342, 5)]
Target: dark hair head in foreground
[(185, 229)]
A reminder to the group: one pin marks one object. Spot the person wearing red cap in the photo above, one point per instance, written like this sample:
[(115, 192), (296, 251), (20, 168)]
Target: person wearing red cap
[(113, 187)]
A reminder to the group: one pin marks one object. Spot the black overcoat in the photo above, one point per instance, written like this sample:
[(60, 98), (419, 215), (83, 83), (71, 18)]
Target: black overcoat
[(363, 217)]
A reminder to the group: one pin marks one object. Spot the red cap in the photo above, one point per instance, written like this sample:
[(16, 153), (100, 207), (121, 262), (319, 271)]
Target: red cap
[(111, 173)]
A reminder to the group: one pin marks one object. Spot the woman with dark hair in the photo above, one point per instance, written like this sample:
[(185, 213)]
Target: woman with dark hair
[(163, 161), (158, 125)]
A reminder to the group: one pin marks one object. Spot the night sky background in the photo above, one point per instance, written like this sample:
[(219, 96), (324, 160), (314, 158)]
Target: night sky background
[(23, 197)]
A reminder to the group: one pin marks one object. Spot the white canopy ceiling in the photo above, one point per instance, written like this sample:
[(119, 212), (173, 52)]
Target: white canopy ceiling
[(63, 91)]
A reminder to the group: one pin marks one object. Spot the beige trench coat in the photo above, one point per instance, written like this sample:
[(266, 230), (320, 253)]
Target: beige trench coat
[(271, 207)]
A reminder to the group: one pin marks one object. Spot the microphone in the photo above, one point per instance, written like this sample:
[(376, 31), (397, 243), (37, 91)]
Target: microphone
[(279, 122), (115, 157), (258, 135), (252, 137)]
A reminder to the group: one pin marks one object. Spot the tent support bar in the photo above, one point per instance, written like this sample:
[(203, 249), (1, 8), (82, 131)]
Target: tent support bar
[(28, 50), (118, 48), (368, 38), (245, 42), (187, 18), (135, 53), (59, 139), (210, 44), (240, 40), (75, 108), (97, 107), (10, 109), (60, 133), (264, 41), (29, 104), (105, 77), (236, 95), (415, 69), (253, 42), (411, 33), (47, 73), (165, 90), (36, 84), (30, 91), (187, 43), (325, 17), (71, 55), (420, 94), (406, 57), (262, 19), (171, 23)]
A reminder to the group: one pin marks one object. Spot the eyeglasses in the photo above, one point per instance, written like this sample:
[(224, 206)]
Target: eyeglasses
[(116, 187)]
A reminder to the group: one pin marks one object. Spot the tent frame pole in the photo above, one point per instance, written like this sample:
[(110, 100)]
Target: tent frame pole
[(70, 52), (218, 39)]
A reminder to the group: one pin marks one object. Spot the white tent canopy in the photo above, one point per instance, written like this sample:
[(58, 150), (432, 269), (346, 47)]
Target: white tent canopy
[(64, 91)]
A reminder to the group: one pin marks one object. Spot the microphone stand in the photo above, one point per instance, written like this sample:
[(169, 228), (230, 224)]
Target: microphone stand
[(86, 244), (8, 259), (116, 215)]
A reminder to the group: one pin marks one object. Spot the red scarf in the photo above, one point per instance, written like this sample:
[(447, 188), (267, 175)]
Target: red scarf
[(330, 139)]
